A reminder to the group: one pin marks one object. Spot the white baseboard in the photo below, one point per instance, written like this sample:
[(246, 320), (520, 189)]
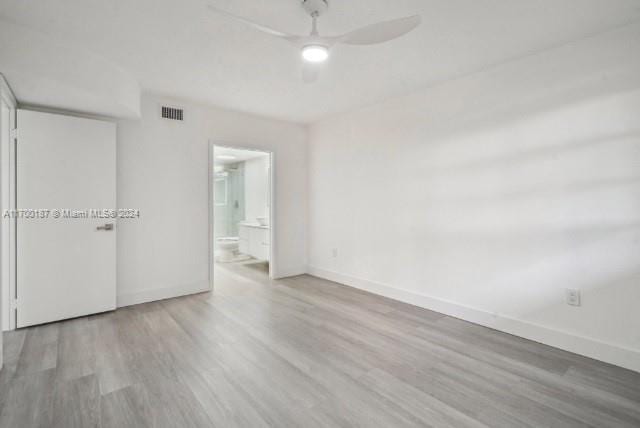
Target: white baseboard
[(287, 273), (592, 348), (153, 294)]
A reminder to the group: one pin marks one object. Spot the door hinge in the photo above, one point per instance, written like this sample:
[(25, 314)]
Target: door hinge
[(14, 304), (14, 134)]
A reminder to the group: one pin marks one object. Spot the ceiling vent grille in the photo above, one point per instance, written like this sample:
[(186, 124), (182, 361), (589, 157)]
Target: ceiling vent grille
[(172, 113)]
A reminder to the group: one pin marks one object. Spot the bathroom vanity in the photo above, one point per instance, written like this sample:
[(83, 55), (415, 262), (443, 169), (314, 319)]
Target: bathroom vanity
[(255, 240)]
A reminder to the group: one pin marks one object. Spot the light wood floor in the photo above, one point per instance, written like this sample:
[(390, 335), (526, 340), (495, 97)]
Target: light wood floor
[(300, 352)]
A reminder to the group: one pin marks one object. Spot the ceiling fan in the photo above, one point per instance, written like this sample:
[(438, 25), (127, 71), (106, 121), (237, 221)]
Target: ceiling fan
[(315, 48)]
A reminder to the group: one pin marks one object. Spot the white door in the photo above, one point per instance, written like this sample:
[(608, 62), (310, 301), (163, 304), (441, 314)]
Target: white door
[(66, 267)]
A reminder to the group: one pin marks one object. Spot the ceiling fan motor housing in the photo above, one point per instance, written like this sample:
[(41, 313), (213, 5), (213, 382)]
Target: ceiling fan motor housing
[(315, 8)]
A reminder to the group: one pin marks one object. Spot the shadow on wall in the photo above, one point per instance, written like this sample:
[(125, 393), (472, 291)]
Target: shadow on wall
[(555, 205), (496, 210)]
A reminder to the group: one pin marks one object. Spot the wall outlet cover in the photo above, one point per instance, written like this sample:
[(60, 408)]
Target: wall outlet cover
[(573, 297)]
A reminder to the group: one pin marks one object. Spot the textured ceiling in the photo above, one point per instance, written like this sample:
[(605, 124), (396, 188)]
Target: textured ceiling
[(177, 48)]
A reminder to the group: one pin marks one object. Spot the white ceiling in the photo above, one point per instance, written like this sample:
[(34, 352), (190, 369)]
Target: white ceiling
[(177, 48), (45, 73)]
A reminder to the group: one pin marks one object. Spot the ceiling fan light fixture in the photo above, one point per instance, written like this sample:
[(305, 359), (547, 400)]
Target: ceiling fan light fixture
[(315, 49), (315, 53)]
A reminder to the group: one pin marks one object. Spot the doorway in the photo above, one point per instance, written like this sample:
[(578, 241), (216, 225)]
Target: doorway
[(241, 210)]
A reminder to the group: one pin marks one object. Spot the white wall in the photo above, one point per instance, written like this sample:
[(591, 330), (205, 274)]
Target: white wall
[(163, 171), (256, 185), (488, 196)]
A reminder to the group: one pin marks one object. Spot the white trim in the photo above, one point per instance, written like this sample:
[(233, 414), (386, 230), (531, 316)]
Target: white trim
[(273, 198), (9, 258), (211, 187), (13, 225), (6, 93), (66, 112), (288, 273), (592, 348), (153, 294)]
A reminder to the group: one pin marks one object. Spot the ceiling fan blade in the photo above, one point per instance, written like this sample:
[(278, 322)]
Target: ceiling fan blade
[(310, 72), (259, 27), (381, 32)]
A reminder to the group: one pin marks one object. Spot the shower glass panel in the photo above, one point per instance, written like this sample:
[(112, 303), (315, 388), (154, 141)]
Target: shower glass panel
[(229, 205)]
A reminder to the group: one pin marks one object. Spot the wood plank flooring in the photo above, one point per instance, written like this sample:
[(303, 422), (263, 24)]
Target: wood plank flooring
[(299, 352)]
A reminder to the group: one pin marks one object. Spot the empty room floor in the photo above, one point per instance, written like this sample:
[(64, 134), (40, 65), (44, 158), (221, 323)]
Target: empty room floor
[(298, 352)]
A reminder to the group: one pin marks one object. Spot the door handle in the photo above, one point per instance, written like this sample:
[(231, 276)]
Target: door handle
[(106, 227)]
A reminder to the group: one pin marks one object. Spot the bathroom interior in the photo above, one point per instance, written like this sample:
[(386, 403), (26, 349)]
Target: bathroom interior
[(241, 212)]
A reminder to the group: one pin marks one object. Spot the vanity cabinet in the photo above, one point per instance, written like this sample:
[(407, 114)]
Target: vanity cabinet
[(254, 241)]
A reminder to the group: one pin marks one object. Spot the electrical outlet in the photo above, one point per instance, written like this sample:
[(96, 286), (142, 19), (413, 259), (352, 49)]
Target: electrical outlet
[(573, 297), (334, 252)]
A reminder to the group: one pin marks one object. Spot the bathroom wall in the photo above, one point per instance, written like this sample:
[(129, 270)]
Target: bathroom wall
[(256, 188), (487, 197)]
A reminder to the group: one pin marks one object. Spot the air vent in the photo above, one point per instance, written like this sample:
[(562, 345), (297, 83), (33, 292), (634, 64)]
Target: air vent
[(172, 113)]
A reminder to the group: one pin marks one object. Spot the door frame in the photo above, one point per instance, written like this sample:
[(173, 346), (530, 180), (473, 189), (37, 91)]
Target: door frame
[(273, 197), (8, 225)]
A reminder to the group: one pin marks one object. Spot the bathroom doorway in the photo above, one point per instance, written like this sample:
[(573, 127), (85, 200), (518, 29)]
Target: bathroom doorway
[(241, 210)]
